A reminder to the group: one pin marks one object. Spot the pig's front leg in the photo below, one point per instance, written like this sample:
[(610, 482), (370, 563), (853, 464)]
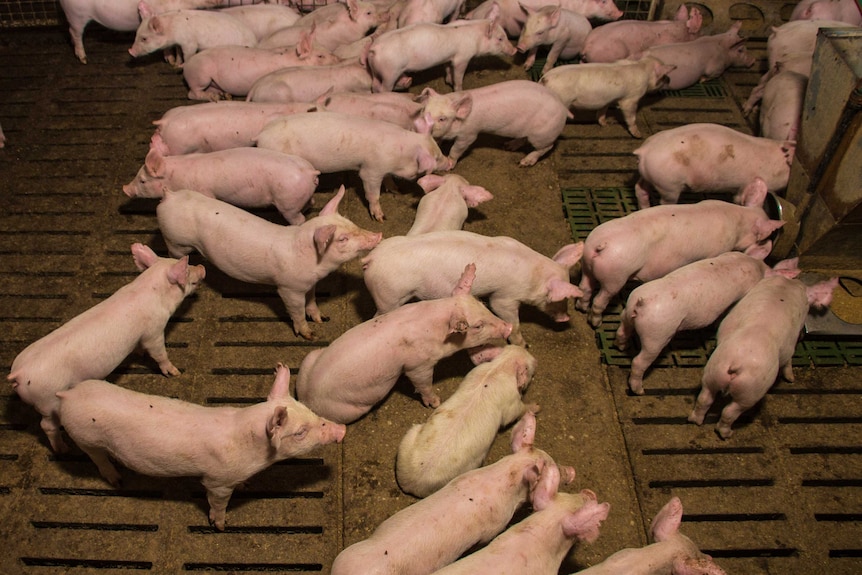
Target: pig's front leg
[(106, 468), (787, 372), (531, 59), (507, 310), (459, 146), (311, 310), (533, 157), (371, 182), (642, 191), (629, 108), (50, 424), (553, 56), (295, 304), (459, 68), (422, 378), (587, 285), (76, 31), (154, 345), (218, 496)]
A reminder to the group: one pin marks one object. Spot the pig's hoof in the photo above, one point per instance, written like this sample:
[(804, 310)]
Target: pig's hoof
[(595, 320), (724, 433), (431, 401), (170, 370), (693, 418), (637, 388)]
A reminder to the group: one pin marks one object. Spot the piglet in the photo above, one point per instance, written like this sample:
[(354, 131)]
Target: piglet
[(691, 297), (92, 344), (513, 14), (708, 158), (396, 108), (563, 30), (308, 83), (844, 10), (509, 273), (445, 203), (333, 28), (264, 19), (651, 243), (471, 509), (781, 98), (755, 343), (671, 552), (458, 435), (251, 249), (166, 437), (429, 11), (596, 86), (244, 177), (345, 380), (538, 544)]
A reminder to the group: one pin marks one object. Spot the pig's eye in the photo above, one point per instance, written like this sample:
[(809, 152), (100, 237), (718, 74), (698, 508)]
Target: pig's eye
[(303, 431)]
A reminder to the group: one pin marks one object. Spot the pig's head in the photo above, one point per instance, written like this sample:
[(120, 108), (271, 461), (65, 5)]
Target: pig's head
[(585, 515), (604, 10), (788, 268), (735, 45), (149, 37), (523, 364), (315, 55), (149, 183), (820, 294), (495, 40), (658, 72), (364, 14), (471, 324), (178, 272), (444, 114), (538, 26), (337, 240), (665, 527), (557, 295)]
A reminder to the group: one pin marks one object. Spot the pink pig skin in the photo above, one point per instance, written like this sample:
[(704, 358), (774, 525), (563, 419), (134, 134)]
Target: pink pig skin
[(781, 106), (336, 30), (598, 85), (335, 142), (626, 38), (422, 46), (408, 340), (708, 158), (507, 272), (755, 343), (215, 126), (446, 203), (651, 243), (703, 58), (94, 343), (471, 509), (564, 31), (458, 435), (672, 551), (244, 177), (264, 19), (166, 437), (843, 10), (394, 107), (496, 109), (251, 249), (690, 297), (429, 11), (308, 83), (514, 13)]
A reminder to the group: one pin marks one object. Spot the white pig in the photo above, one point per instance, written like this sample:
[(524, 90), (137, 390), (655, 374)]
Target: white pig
[(708, 158), (308, 83), (597, 86), (92, 344), (563, 30), (458, 435), (691, 297), (251, 249), (445, 203), (345, 380), (509, 273), (264, 19), (167, 437), (514, 13), (755, 343), (495, 109), (843, 10), (394, 107), (244, 177), (337, 28), (781, 97), (471, 509), (335, 142), (671, 552)]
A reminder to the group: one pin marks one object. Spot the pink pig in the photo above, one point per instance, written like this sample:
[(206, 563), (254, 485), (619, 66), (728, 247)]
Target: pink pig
[(337, 28), (264, 19), (755, 343), (708, 158), (508, 272), (691, 297), (651, 243), (245, 177), (153, 435), (251, 249), (409, 340), (429, 11), (495, 109), (458, 435), (373, 147), (471, 509), (215, 126), (671, 552), (843, 10), (94, 343), (445, 203), (781, 94), (617, 40), (308, 83), (394, 107), (563, 30), (703, 58), (514, 13)]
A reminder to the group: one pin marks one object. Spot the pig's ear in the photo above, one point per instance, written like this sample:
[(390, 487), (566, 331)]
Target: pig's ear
[(559, 290), (736, 27), (788, 268), (430, 182), (681, 13), (569, 255), (322, 236), (179, 272), (305, 44), (331, 206), (144, 257), (522, 373), (759, 251), (820, 294), (457, 322), (475, 195), (667, 520), (753, 194), (694, 566), (156, 25), (526, 9), (465, 282), (695, 20), (353, 9), (546, 488), (276, 422), (765, 228), (144, 10), (585, 522), (555, 16), (281, 387), (524, 432), (423, 122), (463, 106), (155, 163)]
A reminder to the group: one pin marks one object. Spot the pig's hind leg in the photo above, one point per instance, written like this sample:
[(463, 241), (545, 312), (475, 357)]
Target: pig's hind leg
[(295, 303), (50, 424), (422, 378), (103, 462)]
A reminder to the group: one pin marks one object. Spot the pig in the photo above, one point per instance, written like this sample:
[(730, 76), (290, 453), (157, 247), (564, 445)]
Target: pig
[(781, 98), (373, 147), (563, 30), (191, 30), (308, 83), (251, 249), (671, 552), (409, 340), (595, 86), (538, 544), (458, 435), (650, 243), (708, 158), (353, 10), (842, 10), (469, 510), (792, 44), (215, 126), (92, 344), (394, 107), (264, 19), (619, 40), (446, 203), (514, 13), (691, 297), (212, 73), (338, 28), (755, 343), (244, 177), (167, 437), (422, 46), (429, 11), (510, 273), (703, 58), (495, 109)]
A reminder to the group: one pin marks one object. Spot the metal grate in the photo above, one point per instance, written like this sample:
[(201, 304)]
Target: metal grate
[(709, 89)]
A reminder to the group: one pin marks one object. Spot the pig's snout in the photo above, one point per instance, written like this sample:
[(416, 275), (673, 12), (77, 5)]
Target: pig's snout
[(567, 473), (336, 431), (505, 330), (373, 239)]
